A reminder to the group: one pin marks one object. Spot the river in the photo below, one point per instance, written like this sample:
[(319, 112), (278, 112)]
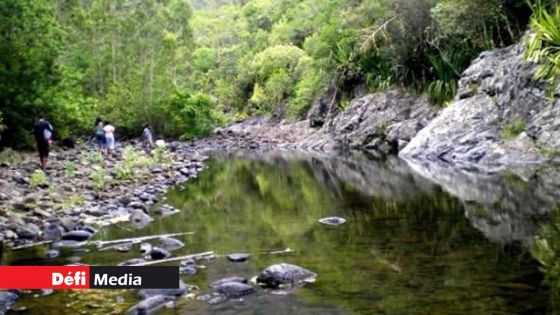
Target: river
[(409, 245)]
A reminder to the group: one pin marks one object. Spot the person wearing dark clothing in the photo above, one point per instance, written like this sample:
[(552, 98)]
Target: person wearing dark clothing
[(42, 131)]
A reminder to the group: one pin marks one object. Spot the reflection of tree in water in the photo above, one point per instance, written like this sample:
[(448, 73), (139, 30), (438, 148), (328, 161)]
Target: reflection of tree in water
[(413, 252)]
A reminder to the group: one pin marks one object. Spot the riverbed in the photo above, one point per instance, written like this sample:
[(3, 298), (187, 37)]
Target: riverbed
[(409, 245)]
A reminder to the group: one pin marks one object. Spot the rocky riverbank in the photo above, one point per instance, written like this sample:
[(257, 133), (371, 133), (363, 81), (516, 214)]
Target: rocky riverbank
[(83, 189)]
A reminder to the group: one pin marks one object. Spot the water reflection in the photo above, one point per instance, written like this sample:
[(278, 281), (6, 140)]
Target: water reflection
[(412, 243)]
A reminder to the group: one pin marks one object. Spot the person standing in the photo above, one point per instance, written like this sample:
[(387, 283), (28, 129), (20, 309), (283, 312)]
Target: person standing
[(99, 133), (148, 138), (109, 132), (42, 130)]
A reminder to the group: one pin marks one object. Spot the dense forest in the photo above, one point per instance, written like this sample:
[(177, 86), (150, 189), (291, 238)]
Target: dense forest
[(186, 67)]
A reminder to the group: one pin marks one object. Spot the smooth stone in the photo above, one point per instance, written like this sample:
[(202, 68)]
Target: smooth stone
[(149, 305), (170, 243), (234, 289), (220, 282), (145, 248), (148, 293), (77, 235), (52, 254), (133, 261), (332, 220), (275, 275), (238, 257)]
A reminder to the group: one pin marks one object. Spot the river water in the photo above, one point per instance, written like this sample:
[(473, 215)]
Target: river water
[(409, 246)]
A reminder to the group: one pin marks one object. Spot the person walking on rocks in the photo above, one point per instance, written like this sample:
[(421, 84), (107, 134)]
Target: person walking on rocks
[(99, 133), (109, 133), (148, 138), (42, 130)]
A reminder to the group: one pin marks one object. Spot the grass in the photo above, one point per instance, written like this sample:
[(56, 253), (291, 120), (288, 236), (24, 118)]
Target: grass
[(73, 201), (69, 169), (94, 157), (513, 129), (38, 178), (99, 178), (10, 156)]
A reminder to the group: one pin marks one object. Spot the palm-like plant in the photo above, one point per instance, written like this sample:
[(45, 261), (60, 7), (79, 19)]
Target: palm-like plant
[(543, 46)]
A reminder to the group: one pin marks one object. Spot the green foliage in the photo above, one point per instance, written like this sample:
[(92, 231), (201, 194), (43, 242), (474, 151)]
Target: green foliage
[(10, 156), (69, 169), (94, 157), (543, 46), (190, 115), (72, 201), (513, 129), (99, 178), (38, 179)]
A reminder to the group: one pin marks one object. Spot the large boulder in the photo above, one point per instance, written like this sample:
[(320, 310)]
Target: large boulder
[(381, 121), (500, 116)]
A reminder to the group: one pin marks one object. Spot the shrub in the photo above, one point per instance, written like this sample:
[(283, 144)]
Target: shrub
[(99, 178), (543, 46), (513, 129), (38, 178), (10, 156), (69, 169)]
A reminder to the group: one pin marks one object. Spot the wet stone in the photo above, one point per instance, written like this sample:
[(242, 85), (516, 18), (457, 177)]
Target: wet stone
[(133, 261), (159, 253), (332, 220), (170, 243), (235, 289), (239, 257), (77, 235), (52, 254), (148, 305), (276, 275), (220, 282)]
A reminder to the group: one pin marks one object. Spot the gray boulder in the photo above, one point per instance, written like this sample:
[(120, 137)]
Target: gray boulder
[(276, 275)]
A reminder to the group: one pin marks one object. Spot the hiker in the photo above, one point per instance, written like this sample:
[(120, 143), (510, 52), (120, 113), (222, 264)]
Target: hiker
[(148, 139), (109, 133), (99, 133), (43, 135)]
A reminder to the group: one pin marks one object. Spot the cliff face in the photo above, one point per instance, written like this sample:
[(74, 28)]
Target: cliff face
[(499, 117)]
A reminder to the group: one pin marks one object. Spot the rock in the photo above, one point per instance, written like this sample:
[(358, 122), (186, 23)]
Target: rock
[(149, 305), (234, 289), (77, 235), (66, 244), (69, 223), (52, 232), (29, 232), (189, 270), (147, 293), (166, 210), (145, 248), (124, 248), (139, 219), (496, 120), (52, 254), (238, 257), (133, 261), (74, 259), (159, 253), (7, 299), (41, 212), (170, 243), (10, 235), (276, 275), (332, 220), (220, 282)]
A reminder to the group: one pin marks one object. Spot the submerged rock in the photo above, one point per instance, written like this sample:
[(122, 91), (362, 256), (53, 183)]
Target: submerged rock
[(234, 289), (133, 261), (170, 243), (220, 282), (52, 254), (276, 275), (148, 293), (149, 305), (77, 235), (145, 248)]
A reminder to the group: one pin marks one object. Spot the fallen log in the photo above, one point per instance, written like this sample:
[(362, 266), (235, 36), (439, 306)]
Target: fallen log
[(192, 256), (136, 240)]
